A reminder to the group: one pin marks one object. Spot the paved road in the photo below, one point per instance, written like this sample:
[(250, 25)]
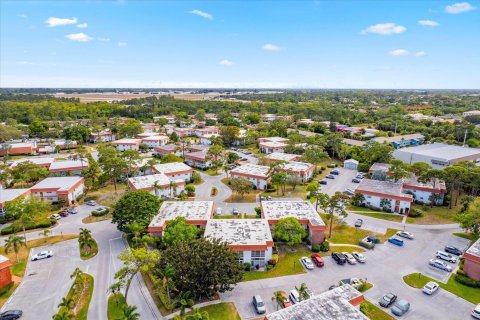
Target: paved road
[(47, 281), (341, 182), (385, 267)]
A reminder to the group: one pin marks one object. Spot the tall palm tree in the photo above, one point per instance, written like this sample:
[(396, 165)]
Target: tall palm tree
[(136, 230), (14, 243), (64, 315), (130, 313), (45, 233), (185, 301), (302, 292), (167, 275), (25, 219)]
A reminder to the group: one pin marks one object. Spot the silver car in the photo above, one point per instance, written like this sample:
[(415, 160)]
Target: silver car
[(359, 257), (350, 258), (307, 262), (258, 304), (440, 265)]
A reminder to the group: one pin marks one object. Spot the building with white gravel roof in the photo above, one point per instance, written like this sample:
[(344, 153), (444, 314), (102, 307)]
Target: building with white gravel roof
[(302, 170), (302, 210), (175, 170), (158, 184), (7, 195), (278, 156), (55, 188), (256, 174), (386, 195)]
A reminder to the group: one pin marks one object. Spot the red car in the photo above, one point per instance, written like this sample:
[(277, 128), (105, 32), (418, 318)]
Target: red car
[(317, 260), (284, 300)]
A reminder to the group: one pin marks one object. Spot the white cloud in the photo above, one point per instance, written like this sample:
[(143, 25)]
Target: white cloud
[(459, 7), (122, 44), (202, 14), (82, 37), (271, 47), (55, 22), (82, 25), (103, 39), (428, 23), (23, 16), (226, 62), (385, 29), (420, 54), (399, 52)]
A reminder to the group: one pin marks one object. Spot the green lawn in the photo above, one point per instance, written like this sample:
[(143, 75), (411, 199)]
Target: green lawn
[(370, 213), (107, 196), (92, 219), (213, 172), (374, 312), (418, 280), (299, 192), (88, 253), (115, 306), (470, 236), (222, 311), (434, 215)]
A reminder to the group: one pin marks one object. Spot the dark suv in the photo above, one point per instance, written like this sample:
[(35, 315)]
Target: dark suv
[(11, 315), (339, 258), (453, 250)]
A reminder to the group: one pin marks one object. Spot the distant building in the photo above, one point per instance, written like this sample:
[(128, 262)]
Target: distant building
[(385, 194), (303, 211), (378, 166), (198, 159), (18, 148), (7, 195), (302, 170), (158, 184), (354, 143), (55, 188), (272, 146), (175, 170), (471, 265), (5, 273), (127, 144), (351, 164), (68, 167), (103, 136), (38, 160), (438, 155), (397, 142), (288, 157), (250, 238), (340, 303), (195, 213), (167, 149), (155, 141), (425, 193), (256, 174), (471, 113)]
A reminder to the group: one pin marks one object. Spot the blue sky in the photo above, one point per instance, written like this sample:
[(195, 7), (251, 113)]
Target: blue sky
[(271, 44)]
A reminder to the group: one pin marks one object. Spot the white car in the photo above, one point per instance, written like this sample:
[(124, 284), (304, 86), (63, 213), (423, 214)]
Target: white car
[(55, 216), (476, 312), (440, 265), (430, 288), (350, 258), (405, 234), (307, 262), (294, 296), (91, 203), (218, 211), (445, 256), (359, 257), (42, 255)]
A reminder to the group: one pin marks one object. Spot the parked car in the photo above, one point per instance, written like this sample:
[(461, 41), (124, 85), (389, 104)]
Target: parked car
[(269, 198), (63, 213), (317, 259), (42, 255), (258, 304), (218, 211), (476, 312), (235, 211), (453, 250), (284, 300), (358, 223), (11, 315), (339, 258), (445, 256), (309, 293), (440, 265), (360, 175), (330, 176), (294, 296), (387, 300), (350, 258), (307, 262), (55, 216), (72, 210), (356, 180), (368, 242), (400, 308), (405, 234), (349, 191), (396, 241), (91, 203), (359, 257), (335, 172), (323, 181), (243, 159), (430, 287), (99, 210)]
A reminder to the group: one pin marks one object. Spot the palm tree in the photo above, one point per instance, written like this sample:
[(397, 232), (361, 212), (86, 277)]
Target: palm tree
[(173, 188), (136, 230), (115, 289), (156, 187), (76, 273), (14, 243), (45, 233), (198, 315), (302, 292), (184, 302), (24, 220), (277, 297), (66, 302), (167, 275), (64, 315), (130, 313)]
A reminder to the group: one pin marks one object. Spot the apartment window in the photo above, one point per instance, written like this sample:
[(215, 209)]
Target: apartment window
[(240, 257), (368, 197), (258, 256)]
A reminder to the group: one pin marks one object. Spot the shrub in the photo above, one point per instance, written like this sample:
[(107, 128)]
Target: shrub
[(316, 248), (99, 213), (415, 213), (247, 266), (258, 211), (275, 257), (190, 188), (325, 246), (461, 272), (467, 281), (331, 165), (88, 198), (269, 267), (272, 262), (44, 224), (7, 230)]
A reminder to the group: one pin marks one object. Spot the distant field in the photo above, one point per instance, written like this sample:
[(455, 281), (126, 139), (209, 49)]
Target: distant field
[(94, 97)]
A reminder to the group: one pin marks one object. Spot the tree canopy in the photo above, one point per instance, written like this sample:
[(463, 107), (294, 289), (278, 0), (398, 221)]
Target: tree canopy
[(135, 206)]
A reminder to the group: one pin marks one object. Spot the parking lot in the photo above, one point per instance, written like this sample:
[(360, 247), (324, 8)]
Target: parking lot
[(341, 182)]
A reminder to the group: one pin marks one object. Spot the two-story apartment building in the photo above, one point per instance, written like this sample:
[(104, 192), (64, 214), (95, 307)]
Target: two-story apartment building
[(53, 189), (385, 195), (258, 175)]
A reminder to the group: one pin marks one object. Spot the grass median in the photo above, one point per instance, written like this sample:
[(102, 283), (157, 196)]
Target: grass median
[(374, 312)]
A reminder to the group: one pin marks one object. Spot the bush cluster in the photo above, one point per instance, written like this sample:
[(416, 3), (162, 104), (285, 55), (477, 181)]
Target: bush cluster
[(47, 223)]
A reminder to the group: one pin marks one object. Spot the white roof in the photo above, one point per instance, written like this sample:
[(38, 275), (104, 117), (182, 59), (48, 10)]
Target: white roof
[(474, 250), (441, 151), (67, 164), (279, 156), (251, 169), (22, 144), (296, 166), (156, 138), (190, 210), (35, 160), (148, 181), (302, 210), (172, 168), (351, 161), (273, 139), (127, 141), (273, 144), (60, 183), (239, 231), (10, 194)]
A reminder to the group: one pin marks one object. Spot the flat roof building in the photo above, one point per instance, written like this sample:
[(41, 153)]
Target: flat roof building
[(335, 304), (194, 212), (7, 195), (278, 156), (402, 141), (302, 210), (438, 155), (55, 188), (303, 170), (158, 184), (258, 175), (471, 265), (386, 195), (178, 170)]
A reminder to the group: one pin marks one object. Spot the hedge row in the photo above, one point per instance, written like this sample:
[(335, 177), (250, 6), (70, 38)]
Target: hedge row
[(47, 223)]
